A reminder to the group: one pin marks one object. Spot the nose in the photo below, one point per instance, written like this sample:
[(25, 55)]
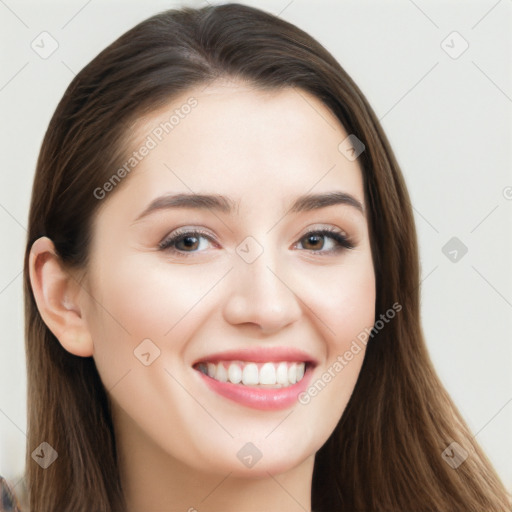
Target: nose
[(263, 295)]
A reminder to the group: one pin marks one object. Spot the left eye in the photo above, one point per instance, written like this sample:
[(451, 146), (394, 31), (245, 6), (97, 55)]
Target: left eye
[(186, 242), (316, 241)]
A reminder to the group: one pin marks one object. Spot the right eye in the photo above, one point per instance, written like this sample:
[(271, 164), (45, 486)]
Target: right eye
[(183, 242)]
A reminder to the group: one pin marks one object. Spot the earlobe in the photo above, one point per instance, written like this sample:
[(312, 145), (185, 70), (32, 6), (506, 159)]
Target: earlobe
[(57, 294)]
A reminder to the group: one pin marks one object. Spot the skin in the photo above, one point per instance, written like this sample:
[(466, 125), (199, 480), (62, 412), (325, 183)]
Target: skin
[(177, 439)]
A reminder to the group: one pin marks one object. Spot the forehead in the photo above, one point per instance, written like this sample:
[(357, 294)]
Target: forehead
[(256, 146)]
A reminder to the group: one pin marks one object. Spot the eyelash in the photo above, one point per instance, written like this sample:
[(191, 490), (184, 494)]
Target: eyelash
[(342, 241)]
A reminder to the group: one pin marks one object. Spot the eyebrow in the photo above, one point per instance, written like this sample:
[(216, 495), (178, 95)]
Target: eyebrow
[(226, 205)]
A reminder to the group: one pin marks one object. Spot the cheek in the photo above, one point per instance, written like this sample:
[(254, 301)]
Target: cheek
[(148, 299), (343, 301), (352, 316), (135, 301)]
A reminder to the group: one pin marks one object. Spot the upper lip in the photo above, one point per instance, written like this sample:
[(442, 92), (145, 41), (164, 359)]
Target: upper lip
[(260, 355)]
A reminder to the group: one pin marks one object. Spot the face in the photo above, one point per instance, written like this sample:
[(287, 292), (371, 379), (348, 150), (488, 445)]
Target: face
[(254, 282)]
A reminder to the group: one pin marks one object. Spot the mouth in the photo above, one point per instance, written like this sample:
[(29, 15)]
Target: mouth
[(272, 375), (258, 378)]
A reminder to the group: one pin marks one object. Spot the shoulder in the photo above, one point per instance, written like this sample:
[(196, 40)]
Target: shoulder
[(8, 500)]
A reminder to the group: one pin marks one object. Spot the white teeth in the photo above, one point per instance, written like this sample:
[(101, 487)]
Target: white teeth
[(292, 374), (250, 375), (234, 373), (268, 374), (281, 374), (300, 371), (221, 373)]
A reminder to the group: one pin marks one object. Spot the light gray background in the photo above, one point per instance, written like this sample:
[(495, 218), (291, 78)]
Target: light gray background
[(449, 122)]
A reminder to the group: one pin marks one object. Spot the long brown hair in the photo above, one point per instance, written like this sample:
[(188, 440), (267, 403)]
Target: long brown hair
[(385, 453)]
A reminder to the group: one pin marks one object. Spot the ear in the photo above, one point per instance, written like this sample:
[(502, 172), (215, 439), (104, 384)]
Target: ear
[(57, 294)]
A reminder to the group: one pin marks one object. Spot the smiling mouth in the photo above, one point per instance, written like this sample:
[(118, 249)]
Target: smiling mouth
[(261, 375)]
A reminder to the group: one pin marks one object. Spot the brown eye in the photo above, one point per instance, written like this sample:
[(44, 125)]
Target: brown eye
[(317, 241), (183, 243), (314, 242), (188, 242)]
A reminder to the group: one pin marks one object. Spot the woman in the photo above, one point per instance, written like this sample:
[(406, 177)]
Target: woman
[(222, 289)]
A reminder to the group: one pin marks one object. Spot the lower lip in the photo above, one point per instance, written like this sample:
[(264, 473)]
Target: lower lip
[(265, 399)]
